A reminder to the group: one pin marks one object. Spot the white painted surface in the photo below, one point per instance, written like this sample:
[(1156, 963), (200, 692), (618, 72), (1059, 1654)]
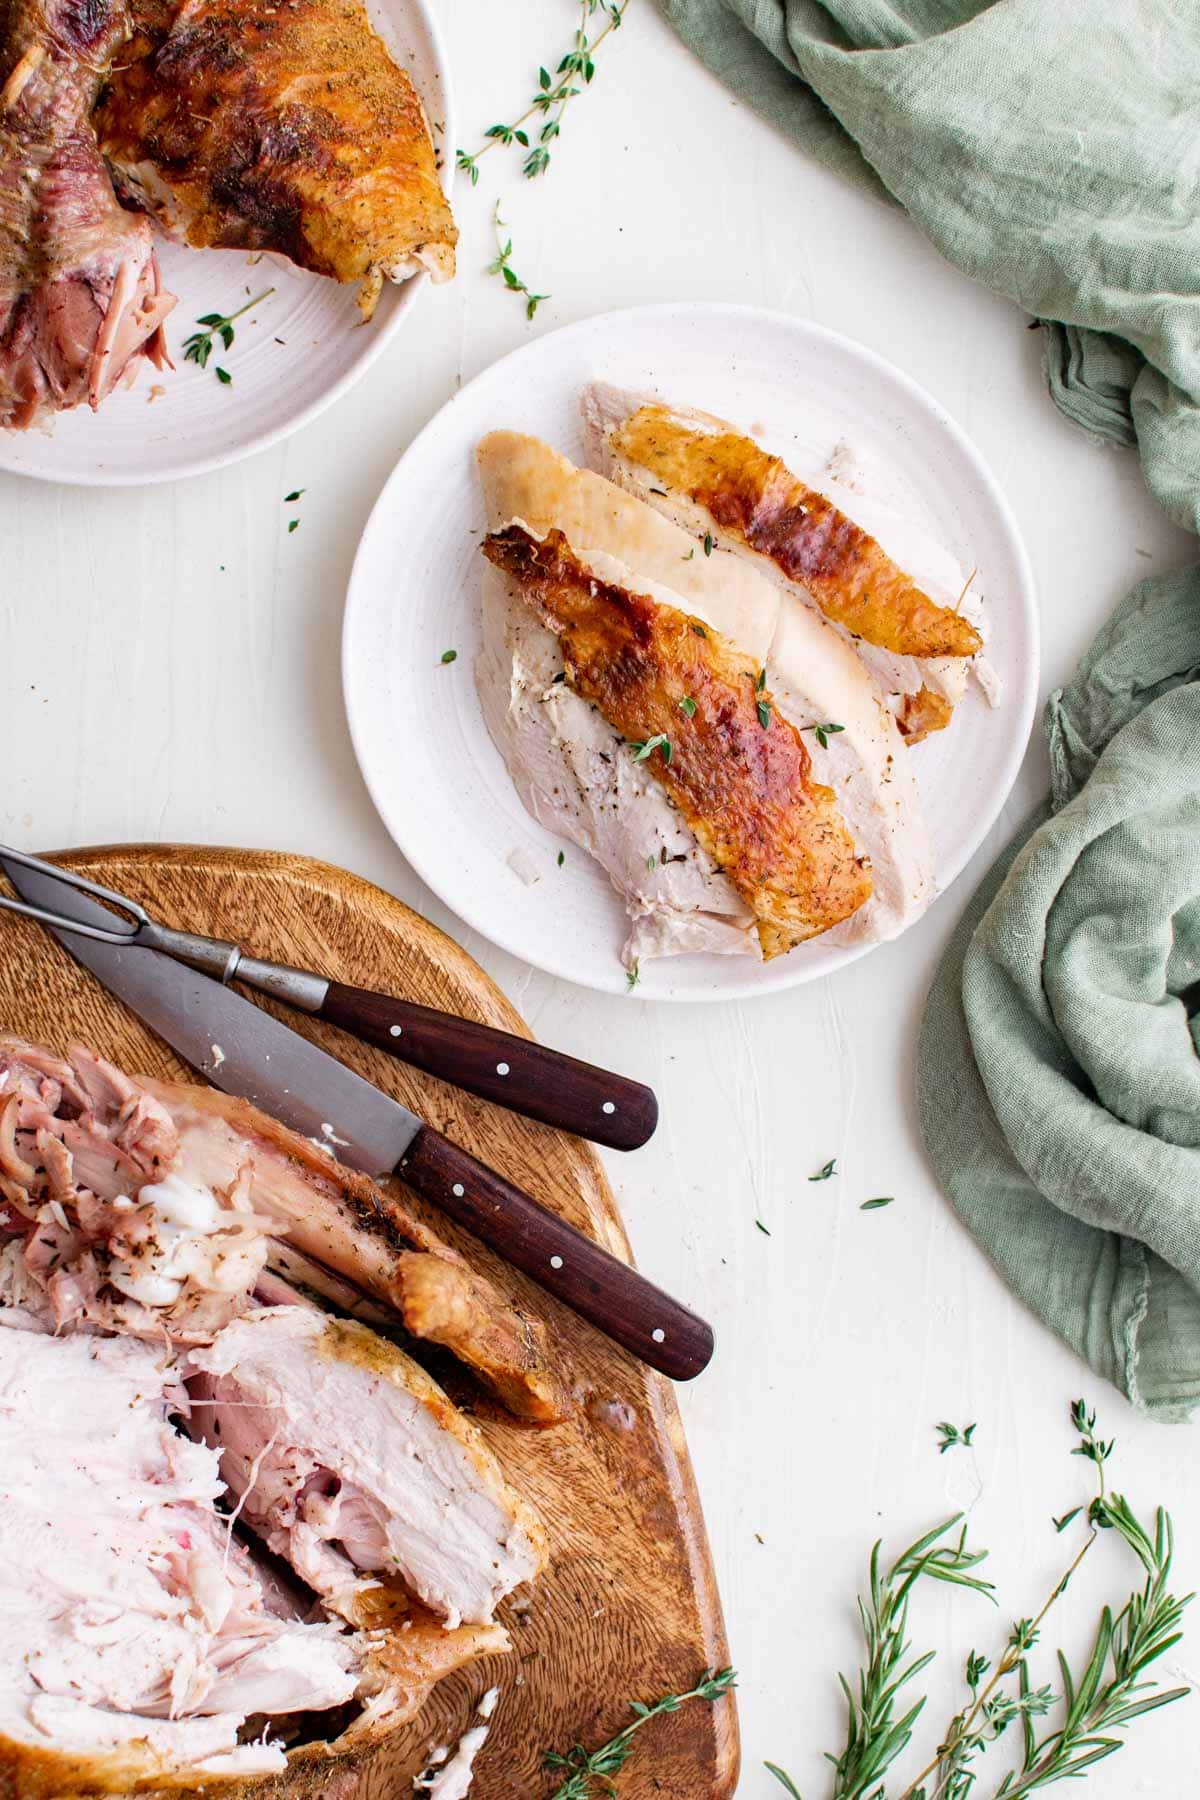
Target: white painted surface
[(170, 670)]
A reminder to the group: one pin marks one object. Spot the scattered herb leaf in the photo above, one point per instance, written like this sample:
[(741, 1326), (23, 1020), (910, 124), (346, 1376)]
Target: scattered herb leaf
[(698, 629), (954, 1439), (823, 733), (1060, 1525), (823, 1174), (688, 705), (877, 1202), (633, 976), (645, 747), (763, 708), (762, 1227), (289, 499), (293, 525), (449, 656), (561, 858), (709, 542)]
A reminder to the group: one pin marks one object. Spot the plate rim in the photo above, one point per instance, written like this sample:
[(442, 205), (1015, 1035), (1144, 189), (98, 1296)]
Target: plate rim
[(1025, 598), (406, 299)]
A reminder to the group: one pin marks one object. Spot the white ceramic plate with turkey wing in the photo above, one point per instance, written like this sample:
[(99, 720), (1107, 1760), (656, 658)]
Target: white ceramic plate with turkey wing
[(436, 777), (293, 354)]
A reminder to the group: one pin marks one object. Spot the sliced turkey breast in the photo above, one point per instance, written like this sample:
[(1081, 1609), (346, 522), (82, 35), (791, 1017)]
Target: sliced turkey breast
[(737, 772), (352, 1464), (576, 775), (921, 642)]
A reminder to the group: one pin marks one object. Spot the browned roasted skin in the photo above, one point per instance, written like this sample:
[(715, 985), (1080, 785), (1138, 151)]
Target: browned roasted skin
[(758, 500), (455, 1308), (284, 127), (741, 779), (345, 1223), (922, 713)]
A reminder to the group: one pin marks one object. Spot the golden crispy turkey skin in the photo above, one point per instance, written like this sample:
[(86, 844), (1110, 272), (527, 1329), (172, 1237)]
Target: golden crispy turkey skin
[(246, 124), (738, 772), (757, 499)]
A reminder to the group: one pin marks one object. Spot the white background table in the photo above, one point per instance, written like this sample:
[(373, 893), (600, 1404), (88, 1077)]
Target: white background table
[(171, 671)]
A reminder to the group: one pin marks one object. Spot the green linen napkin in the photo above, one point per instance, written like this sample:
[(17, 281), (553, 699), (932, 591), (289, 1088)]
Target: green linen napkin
[(1052, 151)]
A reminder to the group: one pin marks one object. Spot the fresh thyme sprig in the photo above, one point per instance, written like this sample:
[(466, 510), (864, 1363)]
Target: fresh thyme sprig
[(503, 267), (554, 94), (590, 1772), (199, 347)]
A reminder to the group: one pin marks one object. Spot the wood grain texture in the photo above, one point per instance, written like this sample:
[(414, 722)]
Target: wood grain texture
[(628, 1607)]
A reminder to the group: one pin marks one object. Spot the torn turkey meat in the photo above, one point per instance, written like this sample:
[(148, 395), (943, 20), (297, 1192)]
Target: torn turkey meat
[(81, 304), (146, 1632), (152, 1641), (104, 1227), (154, 1208), (351, 1463)]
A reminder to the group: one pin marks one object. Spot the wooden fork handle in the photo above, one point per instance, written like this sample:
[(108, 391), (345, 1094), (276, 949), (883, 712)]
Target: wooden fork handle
[(511, 1071)]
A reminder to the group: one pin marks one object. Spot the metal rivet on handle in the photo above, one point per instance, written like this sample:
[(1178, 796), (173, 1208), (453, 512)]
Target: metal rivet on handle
[(658, 1334), (502, 1068), (608, 1107), (396, 1031), (556, 1262), (458, 1189)]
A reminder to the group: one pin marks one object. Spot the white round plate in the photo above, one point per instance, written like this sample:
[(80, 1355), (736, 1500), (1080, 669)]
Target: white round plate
[(433, 772), (292, 356)]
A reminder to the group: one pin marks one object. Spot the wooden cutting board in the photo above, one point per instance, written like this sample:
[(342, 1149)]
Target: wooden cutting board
[(628, 1608)]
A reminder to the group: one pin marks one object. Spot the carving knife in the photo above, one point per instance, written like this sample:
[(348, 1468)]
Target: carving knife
[(246, 1051)]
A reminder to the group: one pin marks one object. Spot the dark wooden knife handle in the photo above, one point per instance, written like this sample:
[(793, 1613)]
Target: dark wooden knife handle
[(514, 1072), (602, 1289)]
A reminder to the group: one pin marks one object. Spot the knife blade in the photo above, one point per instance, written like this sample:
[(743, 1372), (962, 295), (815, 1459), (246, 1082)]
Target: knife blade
[(245, 1051)]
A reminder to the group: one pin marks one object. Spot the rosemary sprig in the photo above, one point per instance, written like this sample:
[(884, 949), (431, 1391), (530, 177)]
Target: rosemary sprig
[(554, 94), (590, 1772), (1109, 1695), (199, 347), (875, 1737), (503, 267), (1104, 1698), (1146, 1627)]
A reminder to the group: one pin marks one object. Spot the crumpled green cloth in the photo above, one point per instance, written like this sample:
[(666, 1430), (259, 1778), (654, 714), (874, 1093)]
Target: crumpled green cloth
[(1051, 150)]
